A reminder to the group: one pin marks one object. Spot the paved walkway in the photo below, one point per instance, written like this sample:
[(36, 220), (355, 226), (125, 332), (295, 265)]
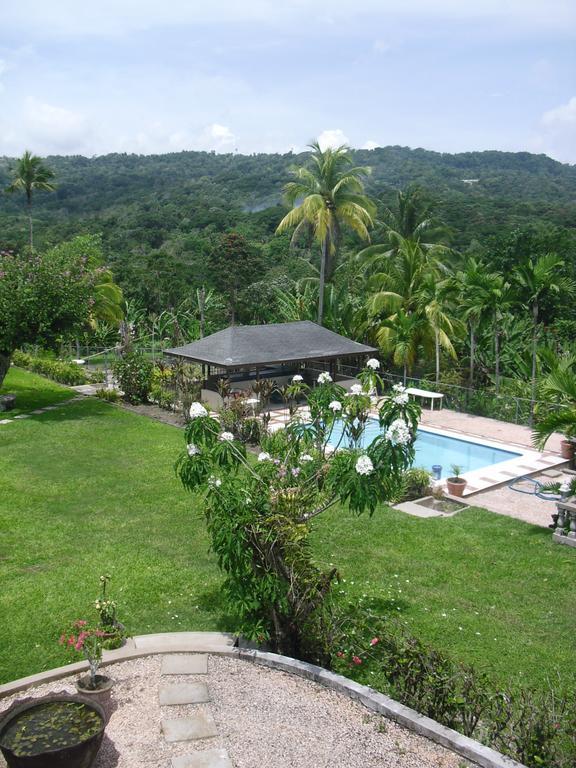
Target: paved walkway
[(40, 411)]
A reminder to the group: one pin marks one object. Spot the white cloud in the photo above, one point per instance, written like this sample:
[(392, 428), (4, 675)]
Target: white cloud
[(55, 128), (370, 144), (332, 138), (556, 135), (222, 134)]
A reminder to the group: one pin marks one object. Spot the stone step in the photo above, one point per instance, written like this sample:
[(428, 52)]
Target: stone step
[(199, 726), (184, 693), (185, 641), (211, 758), (190, 664)]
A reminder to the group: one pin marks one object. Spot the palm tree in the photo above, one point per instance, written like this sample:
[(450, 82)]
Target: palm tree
[(560, 384), (437, 298), (473, 282), (401, 336), (31, 175), (535, 278), (325, 197)]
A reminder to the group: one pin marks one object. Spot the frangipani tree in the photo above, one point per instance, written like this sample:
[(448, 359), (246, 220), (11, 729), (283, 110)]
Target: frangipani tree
[(259, 513)]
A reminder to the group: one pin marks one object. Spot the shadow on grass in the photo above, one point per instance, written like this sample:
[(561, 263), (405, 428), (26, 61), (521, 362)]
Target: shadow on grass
[(214, 602)]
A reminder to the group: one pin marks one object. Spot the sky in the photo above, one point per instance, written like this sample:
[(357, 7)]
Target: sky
[(148, 77)]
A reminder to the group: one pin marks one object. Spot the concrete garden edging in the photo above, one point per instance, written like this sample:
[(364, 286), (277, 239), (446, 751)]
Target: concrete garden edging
[(221, 644)]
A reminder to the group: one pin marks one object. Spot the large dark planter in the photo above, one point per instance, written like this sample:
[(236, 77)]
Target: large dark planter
[(79, 755)]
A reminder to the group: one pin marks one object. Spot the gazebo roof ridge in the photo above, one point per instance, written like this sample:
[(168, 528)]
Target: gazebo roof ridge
[(239, 346)]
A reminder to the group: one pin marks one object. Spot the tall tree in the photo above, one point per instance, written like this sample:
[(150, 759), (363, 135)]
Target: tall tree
[(31, 175), (534, 279), (326, 196), (236, 264)]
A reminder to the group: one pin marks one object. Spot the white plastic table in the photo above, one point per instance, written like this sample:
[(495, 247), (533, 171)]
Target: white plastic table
[(424, 393)]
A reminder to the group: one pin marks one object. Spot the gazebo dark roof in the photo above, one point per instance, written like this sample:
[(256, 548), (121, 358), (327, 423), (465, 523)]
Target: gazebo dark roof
[(241, 346)]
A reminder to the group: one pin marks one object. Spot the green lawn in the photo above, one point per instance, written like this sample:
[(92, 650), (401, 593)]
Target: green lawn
[(90, 488), (32, 391)]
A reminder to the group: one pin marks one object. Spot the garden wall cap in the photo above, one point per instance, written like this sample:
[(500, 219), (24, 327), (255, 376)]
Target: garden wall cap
[(249, 345)]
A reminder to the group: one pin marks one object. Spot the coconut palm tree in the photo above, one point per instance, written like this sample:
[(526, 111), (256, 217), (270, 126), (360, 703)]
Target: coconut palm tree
[(559, 385), (31, 175), (437, 298), (326, 196), (534, 279), (401, 336)]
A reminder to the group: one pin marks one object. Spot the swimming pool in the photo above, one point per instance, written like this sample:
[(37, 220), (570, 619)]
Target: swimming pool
[(434, 448)]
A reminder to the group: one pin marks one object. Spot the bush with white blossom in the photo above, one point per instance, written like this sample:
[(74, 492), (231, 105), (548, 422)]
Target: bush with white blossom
[(260, 512)]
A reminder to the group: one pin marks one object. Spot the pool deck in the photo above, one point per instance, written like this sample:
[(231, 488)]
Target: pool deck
[(513, 437)]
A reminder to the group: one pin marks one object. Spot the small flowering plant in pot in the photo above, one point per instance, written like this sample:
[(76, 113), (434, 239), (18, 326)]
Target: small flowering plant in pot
[(83, 639), (115, 631), (260, 512), (456, 484)]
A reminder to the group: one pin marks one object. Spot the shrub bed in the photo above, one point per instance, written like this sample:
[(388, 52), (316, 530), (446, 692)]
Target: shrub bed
[(58, 370)]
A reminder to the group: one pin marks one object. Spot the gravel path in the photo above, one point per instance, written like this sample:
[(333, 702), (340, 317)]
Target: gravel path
[(265, 719)]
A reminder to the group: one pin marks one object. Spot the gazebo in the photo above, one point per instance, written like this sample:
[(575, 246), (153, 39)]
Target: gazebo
[(244, 354)]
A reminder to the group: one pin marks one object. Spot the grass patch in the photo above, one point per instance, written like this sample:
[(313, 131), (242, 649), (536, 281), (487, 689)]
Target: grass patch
[(487, 589), (90, 489), (32, 391)]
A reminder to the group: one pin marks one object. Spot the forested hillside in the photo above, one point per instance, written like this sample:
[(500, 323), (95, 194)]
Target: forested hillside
[(159, 214)]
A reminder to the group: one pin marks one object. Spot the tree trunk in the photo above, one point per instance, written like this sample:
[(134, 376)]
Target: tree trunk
[(323, 258), (202, 307), (534, 348), (497, 355), (4, 365), (30, 225), (472, 353), (405, 372), (437, 345)]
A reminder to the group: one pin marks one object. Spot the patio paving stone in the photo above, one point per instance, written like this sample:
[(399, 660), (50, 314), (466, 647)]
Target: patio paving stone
[(211, 758), (191, 664), (184, 693), (199, 726)]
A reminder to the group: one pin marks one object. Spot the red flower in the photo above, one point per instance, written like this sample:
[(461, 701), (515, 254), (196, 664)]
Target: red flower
[(339, 654), (374, 640), (356, 659)]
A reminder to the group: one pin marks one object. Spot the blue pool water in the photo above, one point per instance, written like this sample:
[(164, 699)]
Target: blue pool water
[(440, 449)]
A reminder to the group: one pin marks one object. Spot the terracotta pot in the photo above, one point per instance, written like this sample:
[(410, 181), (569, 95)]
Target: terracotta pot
[(456, 485), (102, 694), (79, 755), (567, 449)]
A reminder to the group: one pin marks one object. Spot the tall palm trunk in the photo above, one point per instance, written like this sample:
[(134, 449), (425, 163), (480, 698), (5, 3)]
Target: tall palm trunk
[(405, 372), (323, 259), (534, 357), (472, 355), (202, 306), (497, 355), (437, 351), (30, 225)]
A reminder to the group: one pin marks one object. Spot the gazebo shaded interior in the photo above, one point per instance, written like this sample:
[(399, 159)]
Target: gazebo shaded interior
[(247, 353)]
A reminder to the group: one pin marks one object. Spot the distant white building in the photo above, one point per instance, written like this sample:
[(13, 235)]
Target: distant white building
[(470, 181)]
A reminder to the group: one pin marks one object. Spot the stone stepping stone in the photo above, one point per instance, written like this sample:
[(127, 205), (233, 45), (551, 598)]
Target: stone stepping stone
[(199, 726), (38, 411), (192, 664), (184, 693), (5, 421), (211, 758), (23, 416)]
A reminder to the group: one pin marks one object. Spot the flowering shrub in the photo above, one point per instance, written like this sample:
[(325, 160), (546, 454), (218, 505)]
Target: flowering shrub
[(259, 513), (81, 638), (134, 375)]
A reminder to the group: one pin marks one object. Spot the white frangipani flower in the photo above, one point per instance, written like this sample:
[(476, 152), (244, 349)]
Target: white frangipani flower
[(335, 406), (306, 457), (197, 410), (356, 389), (192, 449), (373, 363), (324, 378), (297, 378), (401, 398), (264, 456), (398, 433), (364, 465), (226, 437), (214, 482)]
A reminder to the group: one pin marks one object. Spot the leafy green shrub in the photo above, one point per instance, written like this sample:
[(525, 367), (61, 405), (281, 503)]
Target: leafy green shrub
[(416, 484), (21, 359), (536, 728), (164, 398), (58, 370), (250, 431), (97, 377), (134, 375), (110, 395)]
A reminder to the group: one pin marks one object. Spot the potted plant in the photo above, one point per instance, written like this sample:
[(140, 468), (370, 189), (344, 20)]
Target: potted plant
[(456, 484), (81, 638), (52, 731), (567, 445), (115, 631)]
